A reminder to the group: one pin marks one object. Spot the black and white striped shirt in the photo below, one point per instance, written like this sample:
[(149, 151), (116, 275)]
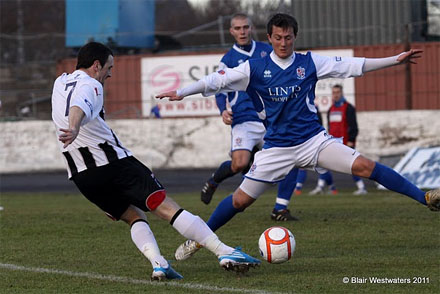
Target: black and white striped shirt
[(96, 144)]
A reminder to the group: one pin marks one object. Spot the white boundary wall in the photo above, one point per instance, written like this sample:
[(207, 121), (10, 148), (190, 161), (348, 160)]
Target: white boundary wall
[(203, 142)]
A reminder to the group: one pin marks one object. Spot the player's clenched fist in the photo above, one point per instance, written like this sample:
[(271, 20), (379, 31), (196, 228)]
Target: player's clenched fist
[(68, 136)]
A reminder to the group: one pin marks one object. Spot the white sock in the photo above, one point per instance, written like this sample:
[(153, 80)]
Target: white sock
[(282, 201), (321, 184), (194, 228), (144, 240), (360, 184), (299, 186)]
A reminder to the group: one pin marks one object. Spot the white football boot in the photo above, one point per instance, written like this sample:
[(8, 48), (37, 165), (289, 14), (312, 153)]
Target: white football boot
[(316, 191), (187, 249), (360, 192)]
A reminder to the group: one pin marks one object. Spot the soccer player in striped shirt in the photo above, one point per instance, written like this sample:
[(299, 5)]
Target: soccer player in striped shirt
[(109, 175)]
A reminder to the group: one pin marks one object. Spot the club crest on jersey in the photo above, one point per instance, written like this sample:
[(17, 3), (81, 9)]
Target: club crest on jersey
[(222, 72), (267, 73), (238, 141), (301, 72), (263, 54)]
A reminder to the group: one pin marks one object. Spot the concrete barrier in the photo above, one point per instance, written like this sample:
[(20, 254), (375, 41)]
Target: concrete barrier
[(203, 142)]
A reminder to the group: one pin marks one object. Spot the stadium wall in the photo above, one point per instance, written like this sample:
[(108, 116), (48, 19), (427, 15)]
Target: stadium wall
[(203, 142), (400, 87)]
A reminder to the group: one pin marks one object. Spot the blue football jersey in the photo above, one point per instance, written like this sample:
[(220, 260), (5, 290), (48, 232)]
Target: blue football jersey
[(282, 91), (286, 98), (242, 106)]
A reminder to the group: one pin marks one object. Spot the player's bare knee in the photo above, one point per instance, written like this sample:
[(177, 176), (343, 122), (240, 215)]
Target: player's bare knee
[(362, 167), (167, 209), (240, 200), (131, 215), (238, 165), (239, 204)]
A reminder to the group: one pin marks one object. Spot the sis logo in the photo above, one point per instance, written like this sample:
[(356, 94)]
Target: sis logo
[(165, 78)]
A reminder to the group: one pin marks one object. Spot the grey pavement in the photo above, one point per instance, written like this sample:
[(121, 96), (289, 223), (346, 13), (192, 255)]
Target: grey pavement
[(174, 180)]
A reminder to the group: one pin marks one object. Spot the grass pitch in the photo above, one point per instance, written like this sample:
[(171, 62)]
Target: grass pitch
[(54, 243)]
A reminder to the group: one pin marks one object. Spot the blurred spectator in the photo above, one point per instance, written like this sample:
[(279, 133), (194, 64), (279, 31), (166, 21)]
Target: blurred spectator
[(155, 111)]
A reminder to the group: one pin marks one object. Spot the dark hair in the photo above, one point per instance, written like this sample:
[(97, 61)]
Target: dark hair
[(339, 86), (284, 21), (90, 52)]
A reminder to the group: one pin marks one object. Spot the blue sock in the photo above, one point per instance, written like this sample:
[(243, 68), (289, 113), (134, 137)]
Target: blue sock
[(327, 177), (223, 172), (301, 178), (223, 213), (285, 190), (391, 180), (356, 178)]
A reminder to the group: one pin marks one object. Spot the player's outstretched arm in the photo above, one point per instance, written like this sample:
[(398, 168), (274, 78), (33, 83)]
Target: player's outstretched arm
[(228, 80), (372, 64), (69, 135), (194, 88)]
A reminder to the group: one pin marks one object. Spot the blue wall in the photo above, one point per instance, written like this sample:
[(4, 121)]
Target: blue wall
[(130, 23)]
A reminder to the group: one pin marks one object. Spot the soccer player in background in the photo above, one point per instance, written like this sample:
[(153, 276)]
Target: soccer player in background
[(247, 129), (108, 175), (342, 123), (282, 86)]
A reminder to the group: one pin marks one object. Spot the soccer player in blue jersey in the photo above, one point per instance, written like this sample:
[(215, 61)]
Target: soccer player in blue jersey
[(247, 129), (282, 86)]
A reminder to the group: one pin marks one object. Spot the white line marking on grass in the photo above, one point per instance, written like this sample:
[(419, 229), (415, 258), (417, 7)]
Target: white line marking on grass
[(112, 278)]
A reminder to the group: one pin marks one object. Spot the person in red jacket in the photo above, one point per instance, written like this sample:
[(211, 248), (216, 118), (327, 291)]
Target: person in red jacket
[(342, 123)]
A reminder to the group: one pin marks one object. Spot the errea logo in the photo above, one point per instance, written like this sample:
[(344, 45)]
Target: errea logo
[(267, 73)]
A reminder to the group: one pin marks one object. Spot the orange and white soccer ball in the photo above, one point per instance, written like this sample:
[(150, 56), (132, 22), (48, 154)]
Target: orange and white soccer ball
[(276, 244)]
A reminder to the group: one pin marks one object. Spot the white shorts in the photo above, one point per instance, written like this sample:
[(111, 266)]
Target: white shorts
[(273, 164), (247, 135)]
